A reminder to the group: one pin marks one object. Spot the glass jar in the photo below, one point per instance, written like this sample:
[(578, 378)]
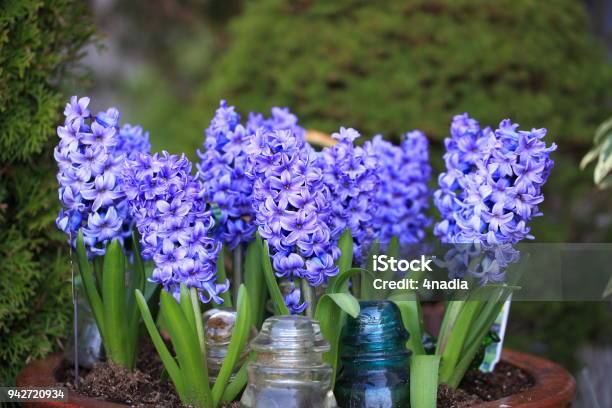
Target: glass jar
[(289, 371), (375, 360), (218, 328)]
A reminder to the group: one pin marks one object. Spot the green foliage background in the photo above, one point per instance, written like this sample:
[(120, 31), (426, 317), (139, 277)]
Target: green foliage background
[(39, 40), (388, 67)]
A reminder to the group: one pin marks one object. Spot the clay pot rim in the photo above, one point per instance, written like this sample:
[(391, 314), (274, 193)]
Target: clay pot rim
[(554, 387)]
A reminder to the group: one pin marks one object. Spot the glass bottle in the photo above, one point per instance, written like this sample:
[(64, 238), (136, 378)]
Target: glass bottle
[(218, 328), (375, 360), (289, 371)]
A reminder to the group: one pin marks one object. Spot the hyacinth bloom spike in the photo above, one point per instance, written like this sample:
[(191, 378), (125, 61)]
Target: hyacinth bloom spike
[(90, 156), (491, 188), (223, 166), (175, 223), (403, 194), (491, 191), (292, 209), (350, 173)]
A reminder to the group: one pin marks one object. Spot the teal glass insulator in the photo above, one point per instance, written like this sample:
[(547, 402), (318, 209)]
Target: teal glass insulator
[(375, 360)]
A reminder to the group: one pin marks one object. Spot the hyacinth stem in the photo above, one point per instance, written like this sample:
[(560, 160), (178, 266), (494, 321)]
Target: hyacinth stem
[(237, 276), (197, 313), (309, 297)]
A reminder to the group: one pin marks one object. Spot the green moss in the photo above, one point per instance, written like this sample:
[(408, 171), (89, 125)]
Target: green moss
[(39, 40)]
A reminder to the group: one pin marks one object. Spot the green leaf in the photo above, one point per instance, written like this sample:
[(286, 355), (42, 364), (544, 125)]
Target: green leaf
[(237, 344), (113, 294), (471, 348), (188, 353), (329, 313), (240, 380), (424, 381), (187, 306), (138, 262), (169, 363), (199, 323), (367, 276), (394, 248), (137, 281), (413, 322), (254, 281), (345, 301), (222, 277), (345, 261), (345, 244), (340, 284), (453, 349), (273, 289), (451, 312), (91, 289)]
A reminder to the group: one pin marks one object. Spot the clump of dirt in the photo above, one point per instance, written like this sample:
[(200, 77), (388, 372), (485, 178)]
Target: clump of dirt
[(142, 388), (478, 387), (449, 398), (504, 381), (112, 383)]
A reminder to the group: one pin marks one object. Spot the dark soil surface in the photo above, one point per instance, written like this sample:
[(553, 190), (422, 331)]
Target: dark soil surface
[(141, 388), (479, 387)]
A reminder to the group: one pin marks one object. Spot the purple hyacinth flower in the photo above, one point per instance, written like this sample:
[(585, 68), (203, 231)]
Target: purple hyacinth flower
[(292, 300), (91, 187)]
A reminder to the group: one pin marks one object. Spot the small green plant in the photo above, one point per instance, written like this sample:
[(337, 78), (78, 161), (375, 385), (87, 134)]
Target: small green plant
[(111, 300), (188, 369), (601, 154)]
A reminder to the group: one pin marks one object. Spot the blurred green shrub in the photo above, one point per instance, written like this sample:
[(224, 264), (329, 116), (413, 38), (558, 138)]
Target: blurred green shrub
[(39, 41), (388, 67), (557, 330)]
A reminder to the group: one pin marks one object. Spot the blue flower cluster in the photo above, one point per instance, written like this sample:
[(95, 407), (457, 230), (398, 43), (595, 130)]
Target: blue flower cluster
[(350, 174), (403, 195), (493, 182), (174, 220), (281, 119), (222, 168), (292, 205), (90, 156), (222, 173)]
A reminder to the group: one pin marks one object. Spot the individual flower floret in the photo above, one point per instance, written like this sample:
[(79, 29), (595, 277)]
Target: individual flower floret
[(175, 223), (90, 155)]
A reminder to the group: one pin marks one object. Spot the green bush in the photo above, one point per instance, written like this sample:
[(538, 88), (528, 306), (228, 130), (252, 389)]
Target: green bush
[(39, 41), (388, 67)]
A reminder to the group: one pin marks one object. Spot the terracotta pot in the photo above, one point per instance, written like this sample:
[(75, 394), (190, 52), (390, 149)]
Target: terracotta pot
[(41, 373), (554, 386)]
